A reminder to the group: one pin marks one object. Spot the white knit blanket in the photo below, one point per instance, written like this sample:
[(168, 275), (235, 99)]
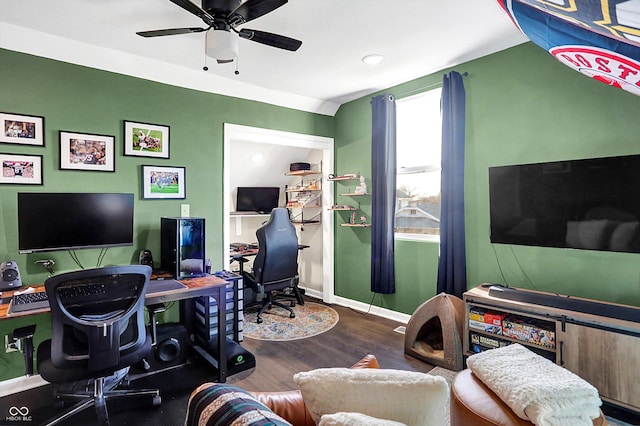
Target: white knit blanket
[(535, 388)]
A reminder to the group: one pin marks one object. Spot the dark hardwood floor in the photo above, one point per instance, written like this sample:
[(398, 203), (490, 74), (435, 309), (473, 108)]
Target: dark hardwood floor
[(355, 335)]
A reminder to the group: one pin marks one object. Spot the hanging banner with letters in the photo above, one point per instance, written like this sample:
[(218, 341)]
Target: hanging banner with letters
[(599, 38)]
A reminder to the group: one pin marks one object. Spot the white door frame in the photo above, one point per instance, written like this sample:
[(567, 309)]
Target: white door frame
[(235, 132)]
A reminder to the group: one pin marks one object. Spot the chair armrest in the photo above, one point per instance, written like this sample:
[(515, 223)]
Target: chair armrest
[(288, 404), (369, 361)]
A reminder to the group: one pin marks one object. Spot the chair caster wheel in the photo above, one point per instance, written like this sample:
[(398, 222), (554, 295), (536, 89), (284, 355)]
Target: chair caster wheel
[(259, 321), (157, 400), (292, 304), (292, 315)]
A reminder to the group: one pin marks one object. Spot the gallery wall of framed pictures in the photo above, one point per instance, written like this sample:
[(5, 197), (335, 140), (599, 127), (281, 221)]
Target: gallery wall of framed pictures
[(90, 152)]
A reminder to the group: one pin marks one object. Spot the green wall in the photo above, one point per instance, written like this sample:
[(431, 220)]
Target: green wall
[(522, 106), (76, 98), (416, 262)]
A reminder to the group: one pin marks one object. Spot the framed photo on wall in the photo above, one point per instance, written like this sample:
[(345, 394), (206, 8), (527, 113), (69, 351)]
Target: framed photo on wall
[(160, 182), (81, 151), (146, 140), (21, 169), (21, 129)]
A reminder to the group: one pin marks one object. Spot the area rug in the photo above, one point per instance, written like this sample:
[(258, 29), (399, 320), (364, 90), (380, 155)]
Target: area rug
[(311, 319), (449, 375)]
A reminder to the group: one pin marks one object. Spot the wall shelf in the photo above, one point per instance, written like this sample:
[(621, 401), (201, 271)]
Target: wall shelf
[(343, 178), (302, 173), (351, 223), (316, 169), (305, 196), (302, 189), (343, 209)]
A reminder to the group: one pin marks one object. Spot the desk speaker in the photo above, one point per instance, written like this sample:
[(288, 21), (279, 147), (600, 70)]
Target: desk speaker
[(171, 348), (9, 275), (146, 258)]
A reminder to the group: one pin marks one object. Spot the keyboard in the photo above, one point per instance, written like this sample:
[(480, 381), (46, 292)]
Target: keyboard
[(29, 302), (26, 302)]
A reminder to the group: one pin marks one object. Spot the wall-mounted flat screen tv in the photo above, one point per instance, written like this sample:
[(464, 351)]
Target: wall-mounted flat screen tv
[(591, 204), (69, 221), (260, 199)]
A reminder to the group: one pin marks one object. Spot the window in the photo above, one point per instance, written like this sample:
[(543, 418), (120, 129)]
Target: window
[(418, 151)]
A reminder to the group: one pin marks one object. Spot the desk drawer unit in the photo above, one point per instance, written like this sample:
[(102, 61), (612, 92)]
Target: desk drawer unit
[(207, 311)]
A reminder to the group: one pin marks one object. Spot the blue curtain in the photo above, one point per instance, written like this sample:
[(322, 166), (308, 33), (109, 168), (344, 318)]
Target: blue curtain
[(383, 190), (452, 268)]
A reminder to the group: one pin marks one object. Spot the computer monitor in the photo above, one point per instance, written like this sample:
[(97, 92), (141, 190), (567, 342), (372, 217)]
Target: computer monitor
[(260, 199)]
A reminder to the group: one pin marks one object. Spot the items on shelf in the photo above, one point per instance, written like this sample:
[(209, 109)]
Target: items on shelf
[(304, 199), (343, 207), (359, 190), (348, 176), (307, 194), (362, 188), (522, 329)]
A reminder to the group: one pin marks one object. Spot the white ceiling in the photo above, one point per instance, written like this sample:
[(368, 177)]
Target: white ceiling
[(416, 37)]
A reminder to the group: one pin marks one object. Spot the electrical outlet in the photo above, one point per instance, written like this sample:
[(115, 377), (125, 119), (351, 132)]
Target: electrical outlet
[(184, 210), (11, 345)]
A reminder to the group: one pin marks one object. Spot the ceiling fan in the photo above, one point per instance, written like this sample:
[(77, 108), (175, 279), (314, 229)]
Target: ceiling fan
[(222, 17)]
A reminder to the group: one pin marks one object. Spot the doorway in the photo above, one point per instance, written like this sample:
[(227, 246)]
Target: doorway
[(235, 134)]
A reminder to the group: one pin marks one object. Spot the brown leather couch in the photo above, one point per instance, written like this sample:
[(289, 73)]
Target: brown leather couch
[(289, 404), (473, 403)]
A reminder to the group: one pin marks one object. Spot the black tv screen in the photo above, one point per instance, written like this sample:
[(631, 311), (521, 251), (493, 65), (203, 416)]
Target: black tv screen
[(261, 199), (69, 221), (591, 204)]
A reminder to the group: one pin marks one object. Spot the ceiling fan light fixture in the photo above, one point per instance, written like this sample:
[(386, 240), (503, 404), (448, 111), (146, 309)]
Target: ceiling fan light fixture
[(221, 45), (373, 59)]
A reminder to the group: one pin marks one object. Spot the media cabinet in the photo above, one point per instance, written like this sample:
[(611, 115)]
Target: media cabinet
[(598, 341)]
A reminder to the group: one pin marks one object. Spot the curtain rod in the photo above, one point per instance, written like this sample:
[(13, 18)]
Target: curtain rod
[(424, 88)]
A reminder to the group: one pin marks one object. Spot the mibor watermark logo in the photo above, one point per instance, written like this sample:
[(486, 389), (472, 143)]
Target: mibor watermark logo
[(18, 414), (603, 65)]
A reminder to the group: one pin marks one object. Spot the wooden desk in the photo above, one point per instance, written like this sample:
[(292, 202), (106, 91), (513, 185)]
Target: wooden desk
[(210, 285)]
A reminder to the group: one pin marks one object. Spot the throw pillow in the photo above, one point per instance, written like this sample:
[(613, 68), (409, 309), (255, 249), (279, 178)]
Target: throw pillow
[(403, 396), (355, 419), (220, 404)]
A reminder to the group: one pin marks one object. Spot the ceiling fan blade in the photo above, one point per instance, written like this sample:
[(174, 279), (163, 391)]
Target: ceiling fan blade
[(270, 39), (252, 9), (195, 9), (170, 31)]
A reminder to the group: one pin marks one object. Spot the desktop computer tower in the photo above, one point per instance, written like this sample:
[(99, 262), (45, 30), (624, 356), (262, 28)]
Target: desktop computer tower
[(182, 250)]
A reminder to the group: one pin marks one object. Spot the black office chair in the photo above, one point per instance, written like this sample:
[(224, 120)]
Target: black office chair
[(276, 264), (97, 330)]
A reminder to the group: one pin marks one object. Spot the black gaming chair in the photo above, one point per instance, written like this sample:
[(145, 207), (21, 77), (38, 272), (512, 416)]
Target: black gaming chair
[(97, 329), (276, 264)]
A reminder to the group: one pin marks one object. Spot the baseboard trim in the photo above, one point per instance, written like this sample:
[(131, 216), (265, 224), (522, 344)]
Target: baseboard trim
[(359, 306), (19, 384), (374, 310)]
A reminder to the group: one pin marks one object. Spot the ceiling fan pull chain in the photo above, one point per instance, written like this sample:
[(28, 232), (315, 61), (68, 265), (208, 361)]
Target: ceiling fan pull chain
[(205, 67)]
